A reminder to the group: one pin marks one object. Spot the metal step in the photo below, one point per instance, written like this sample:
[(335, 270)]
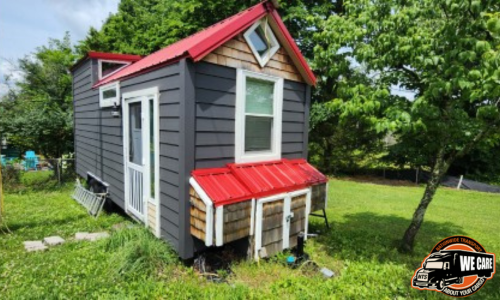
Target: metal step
[(93, 202)]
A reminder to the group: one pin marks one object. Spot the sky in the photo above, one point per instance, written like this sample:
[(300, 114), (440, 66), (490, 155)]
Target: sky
[(27, 24)]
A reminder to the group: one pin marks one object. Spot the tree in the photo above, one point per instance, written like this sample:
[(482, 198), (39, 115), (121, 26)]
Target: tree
[(38, 113), (445, 50), (144, 26)]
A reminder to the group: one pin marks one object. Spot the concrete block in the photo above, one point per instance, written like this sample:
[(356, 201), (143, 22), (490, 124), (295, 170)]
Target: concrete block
[(53, 240), (31, 246), (97, 236), (80, 236)]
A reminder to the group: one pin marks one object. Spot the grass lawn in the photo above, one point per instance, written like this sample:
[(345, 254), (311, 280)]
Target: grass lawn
[(366, 222)]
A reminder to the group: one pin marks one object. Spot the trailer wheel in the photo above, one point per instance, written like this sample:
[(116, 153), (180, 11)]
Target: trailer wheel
[(441, 284)]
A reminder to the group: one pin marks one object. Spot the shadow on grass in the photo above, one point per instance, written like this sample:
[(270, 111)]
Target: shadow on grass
[(367, 236), (15, 226)]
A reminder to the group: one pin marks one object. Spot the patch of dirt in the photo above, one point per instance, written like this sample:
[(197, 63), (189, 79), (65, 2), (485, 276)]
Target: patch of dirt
[(215, 266)]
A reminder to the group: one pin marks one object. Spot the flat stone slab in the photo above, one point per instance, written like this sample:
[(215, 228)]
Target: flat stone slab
[(85, 236), (31, 246), (97, 236), (80, 236), (53, 240)]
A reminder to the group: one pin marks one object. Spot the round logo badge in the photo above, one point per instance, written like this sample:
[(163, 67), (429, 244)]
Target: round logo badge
[(457, 266)]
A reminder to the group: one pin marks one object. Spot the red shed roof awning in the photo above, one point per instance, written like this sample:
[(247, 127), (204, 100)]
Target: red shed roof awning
[(198, 45), (240, 182)]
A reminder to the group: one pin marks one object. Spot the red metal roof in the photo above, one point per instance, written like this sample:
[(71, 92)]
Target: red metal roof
[(114, 56), (309, 172), (274, 176), (109, 56), (202, 43), (221, 185), (240, 182)]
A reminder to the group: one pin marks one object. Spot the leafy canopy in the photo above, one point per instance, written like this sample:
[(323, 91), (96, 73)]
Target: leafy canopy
[(38, 114), (445, 50)]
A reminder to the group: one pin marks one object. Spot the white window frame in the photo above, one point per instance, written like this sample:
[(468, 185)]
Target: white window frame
[(254, 156), (110, 102), (99, 67), (263, 60)]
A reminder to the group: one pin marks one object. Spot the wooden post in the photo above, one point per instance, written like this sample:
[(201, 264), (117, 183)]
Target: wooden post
[(460, 182), (1, 188)]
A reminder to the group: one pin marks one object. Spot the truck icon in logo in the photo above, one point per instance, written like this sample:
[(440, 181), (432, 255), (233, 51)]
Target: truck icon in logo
[(458, 266)]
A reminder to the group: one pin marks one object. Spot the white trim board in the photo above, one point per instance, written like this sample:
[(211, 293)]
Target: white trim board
[(209, 222)]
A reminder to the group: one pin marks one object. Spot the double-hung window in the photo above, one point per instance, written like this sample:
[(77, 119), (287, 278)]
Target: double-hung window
[(259, 100)]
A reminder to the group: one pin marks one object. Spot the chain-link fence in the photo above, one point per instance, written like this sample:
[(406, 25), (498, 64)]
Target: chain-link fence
[(60, 169)]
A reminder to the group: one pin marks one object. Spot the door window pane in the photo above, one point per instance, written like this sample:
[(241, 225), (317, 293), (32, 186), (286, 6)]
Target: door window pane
[(258, 132), (259, 96), (152, 141), (135, 133)]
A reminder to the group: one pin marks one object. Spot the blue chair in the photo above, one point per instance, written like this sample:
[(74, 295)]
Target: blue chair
[(30, 160)]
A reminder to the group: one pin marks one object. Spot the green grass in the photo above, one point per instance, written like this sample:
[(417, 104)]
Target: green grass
[(366, 222)]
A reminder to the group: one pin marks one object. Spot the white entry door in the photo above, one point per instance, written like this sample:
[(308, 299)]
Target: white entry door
[(140, 152)]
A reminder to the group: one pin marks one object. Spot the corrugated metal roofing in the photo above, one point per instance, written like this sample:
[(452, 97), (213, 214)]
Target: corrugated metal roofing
[(240, 182), (309, 172), (202, 43), (221, 185)]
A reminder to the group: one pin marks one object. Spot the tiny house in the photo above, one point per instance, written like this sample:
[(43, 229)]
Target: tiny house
[(204, 141)]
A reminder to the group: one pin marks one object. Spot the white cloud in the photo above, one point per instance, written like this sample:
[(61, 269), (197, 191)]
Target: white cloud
[(4, 89), (78, 16), (10, 71)]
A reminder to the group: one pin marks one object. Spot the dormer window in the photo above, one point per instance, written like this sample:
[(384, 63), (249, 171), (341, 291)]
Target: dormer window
[(262, 41), (108, 67)]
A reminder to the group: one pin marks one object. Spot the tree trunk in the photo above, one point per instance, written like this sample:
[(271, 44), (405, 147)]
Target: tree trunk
[(440, 168)]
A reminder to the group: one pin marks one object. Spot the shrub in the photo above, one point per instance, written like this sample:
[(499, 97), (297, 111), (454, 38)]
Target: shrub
[(137, 251), (11, 177)]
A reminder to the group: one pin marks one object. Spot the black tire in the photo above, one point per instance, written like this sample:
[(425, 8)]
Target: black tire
[(440, 285)]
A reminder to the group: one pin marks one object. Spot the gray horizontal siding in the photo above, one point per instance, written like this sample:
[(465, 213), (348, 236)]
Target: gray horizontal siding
[(98, 136), (167, 79), (215, 116), (215, 88), (295, 120), (99, 140)]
